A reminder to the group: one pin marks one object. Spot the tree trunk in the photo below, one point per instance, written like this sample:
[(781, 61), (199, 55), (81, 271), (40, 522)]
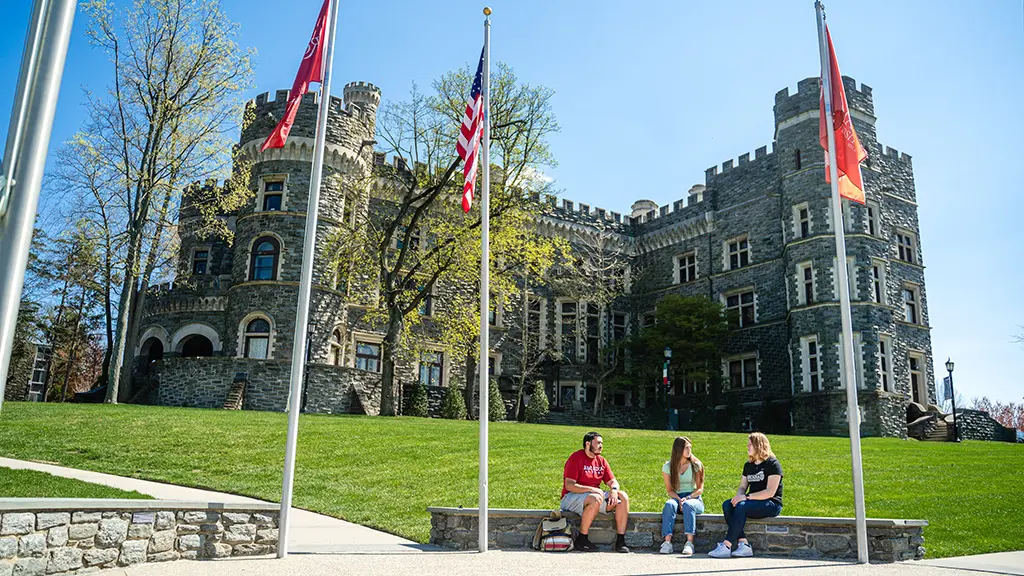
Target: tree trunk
[(140, 297), (388, 399), (74, 345), (123, 312), (471, 379)]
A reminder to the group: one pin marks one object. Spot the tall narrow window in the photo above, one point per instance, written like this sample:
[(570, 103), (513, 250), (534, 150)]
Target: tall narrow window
[(568, 330), (885, 362), (432, 368), (872, 223), (334, 355), (906, 243), (619, 327), (805, 222), (878, 281), (200, 261), (273, 194), (911, 303), (593, 322), (805, 275), (263, 264), (812, 373), (917, 378), (257, 339), (739, 253), (492, 309), (797, 160), (368, 356), (741, 309)]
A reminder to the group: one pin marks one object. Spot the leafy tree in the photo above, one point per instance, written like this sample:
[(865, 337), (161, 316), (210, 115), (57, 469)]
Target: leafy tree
[(695, 327), (418, 405), (538, 406), (418, 238), (453, 407), (496, 411)]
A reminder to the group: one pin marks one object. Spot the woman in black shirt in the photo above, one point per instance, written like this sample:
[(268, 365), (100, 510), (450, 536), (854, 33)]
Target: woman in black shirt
[(758, 496)]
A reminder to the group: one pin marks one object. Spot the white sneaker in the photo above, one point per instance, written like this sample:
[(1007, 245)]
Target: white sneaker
[(666, 547), (720, 551), (688, 549), (743, 550)]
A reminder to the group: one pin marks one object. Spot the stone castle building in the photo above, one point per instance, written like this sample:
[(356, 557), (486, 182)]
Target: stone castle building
[(756, 236)]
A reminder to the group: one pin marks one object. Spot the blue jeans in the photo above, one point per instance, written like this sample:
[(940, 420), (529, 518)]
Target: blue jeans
[(736, 516), (690, 510)]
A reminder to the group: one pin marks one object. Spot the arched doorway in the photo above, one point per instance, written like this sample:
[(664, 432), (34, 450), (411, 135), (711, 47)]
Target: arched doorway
[(152, 351), (196, 346)]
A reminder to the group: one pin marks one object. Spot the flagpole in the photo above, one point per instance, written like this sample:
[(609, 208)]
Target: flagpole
[(485, 257), (24, 157), (305, 285), (852, 410)]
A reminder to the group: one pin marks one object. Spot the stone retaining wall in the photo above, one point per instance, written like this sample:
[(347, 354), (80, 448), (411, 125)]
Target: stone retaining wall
[(792, 536), (51, 536), (979, 425)]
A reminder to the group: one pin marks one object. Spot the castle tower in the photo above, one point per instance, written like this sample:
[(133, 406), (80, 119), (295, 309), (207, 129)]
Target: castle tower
[(891, 349)]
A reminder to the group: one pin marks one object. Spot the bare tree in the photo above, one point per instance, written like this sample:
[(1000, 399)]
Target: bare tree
[(177, 81)]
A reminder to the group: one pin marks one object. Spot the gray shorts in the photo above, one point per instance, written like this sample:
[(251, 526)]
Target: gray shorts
[(573, 502)]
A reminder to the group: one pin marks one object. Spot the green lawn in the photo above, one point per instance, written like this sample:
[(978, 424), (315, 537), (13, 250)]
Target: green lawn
[(32, 484), (384, 472)]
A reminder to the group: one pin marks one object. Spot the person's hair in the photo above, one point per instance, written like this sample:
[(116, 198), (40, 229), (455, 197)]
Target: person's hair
[(589, 437), (678, 446), (762, 448)]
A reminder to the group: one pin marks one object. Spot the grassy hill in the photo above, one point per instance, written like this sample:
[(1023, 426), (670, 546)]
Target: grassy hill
[(384, 472)]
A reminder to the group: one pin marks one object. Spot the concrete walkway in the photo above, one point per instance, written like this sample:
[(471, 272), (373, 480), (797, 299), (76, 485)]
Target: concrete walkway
[(315, 532), (999, 563), (526, 563)]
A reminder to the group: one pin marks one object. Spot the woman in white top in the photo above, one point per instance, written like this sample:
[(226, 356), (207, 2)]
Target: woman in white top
[(684, 482)]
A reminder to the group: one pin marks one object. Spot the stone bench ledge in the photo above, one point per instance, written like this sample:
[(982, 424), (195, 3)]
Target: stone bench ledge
[(50, 504), (800, 520)]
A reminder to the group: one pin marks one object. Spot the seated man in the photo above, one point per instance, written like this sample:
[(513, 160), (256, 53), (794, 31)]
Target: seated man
[(581, 492)]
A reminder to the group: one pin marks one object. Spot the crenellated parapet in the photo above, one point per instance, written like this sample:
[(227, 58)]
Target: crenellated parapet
[(807, 97)]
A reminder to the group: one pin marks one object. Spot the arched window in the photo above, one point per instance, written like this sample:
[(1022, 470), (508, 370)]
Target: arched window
[(265, 255), (257, 339), (334, 356), (196, 346)]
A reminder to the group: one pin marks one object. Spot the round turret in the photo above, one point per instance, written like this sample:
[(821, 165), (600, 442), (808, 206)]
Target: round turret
[(362, 94), (641, 207)]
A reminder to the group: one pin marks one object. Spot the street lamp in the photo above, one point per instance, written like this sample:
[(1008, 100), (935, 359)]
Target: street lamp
[(665, 382), (952, 395)]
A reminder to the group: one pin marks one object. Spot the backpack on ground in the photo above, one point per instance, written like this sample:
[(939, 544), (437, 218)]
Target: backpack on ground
[(554, 534)]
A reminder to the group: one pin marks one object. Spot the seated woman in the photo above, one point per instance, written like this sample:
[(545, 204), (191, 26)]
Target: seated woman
[(684, 482), (758, 496)]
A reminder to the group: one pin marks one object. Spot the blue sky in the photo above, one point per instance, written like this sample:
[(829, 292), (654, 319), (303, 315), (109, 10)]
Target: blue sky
[(650, 94)]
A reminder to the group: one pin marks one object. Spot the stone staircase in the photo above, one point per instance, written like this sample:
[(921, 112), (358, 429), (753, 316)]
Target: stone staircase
[(942, 432), (560, 419), (236, 396)]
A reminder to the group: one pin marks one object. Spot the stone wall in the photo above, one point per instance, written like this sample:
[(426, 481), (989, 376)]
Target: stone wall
[(793, 536), (43, 536), (978, 425)]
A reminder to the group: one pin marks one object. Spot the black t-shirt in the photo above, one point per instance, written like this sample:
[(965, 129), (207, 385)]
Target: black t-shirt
[(757, 477)]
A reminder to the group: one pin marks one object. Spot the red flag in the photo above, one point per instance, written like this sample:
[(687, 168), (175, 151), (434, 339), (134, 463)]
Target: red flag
[(849, 153), (311, 70)]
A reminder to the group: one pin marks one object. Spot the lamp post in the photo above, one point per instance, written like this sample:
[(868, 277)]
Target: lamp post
[(952, 395), (665, 382)]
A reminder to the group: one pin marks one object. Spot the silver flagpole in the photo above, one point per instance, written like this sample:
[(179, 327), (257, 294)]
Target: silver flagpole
[(852, 411), (485, 257), (305, 286), (28, 138)]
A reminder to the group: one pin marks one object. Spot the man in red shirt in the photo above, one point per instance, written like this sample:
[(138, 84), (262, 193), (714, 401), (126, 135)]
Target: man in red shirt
[(581, 492)]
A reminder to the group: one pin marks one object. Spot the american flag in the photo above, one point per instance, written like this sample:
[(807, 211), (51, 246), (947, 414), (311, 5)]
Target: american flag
[(469, 136)]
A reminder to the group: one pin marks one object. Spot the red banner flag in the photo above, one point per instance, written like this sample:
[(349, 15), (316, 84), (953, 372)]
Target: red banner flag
[(311, 70), (849, 153)]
